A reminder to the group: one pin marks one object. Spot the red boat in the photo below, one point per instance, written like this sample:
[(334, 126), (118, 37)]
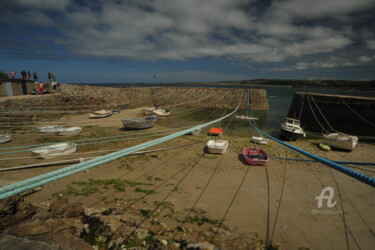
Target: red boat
[(255, 156), (216, 131)]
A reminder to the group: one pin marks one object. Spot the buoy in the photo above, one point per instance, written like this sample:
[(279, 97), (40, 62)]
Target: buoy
[(324, 147)]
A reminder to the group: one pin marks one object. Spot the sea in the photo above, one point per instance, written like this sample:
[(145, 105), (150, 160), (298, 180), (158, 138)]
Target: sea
[(269, 121)]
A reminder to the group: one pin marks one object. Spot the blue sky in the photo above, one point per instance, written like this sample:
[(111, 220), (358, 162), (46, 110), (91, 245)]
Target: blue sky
[(123, 41)]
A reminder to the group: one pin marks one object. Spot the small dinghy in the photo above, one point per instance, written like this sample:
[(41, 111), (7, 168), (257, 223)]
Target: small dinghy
[(50, 129), (161, 112), (216, 131), (54, 150), (100, 114), (69, 131), (259, 140), (4, 138), (246, 117), (341, 141), (324, 147), (139, 122), (217, 146), (255, 156)]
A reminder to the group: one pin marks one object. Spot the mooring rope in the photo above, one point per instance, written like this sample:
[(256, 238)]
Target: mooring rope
[(16, 188), (359, 176)]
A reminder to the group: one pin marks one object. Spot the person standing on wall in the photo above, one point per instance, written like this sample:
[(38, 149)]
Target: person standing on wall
[(28, 75), (35, 76), (12, 74), (49, 77)]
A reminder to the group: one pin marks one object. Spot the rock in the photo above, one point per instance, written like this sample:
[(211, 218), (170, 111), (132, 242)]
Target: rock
[(62, 208), (14, 210)]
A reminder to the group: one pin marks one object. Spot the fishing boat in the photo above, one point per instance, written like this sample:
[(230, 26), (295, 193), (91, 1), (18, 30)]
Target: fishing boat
[(50, 128), (246, 117), (195, 132), (291, 130), (54, 150), (100, 114), (216, 131), (340, 141), (139, 122), (161, 112), (69, 131), (4, 138), (255, 156), (259, 140), (217, 146)]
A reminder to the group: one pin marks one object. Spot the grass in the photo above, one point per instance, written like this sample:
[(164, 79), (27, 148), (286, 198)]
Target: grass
[(82, 188)]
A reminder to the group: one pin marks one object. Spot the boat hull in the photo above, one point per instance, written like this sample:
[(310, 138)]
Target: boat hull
[(100, 114), (289, 135), (217, 146), (54, 150), (69, 131), (138, 123), (340, 141), (259, 140), (4, 138), (255, 156)]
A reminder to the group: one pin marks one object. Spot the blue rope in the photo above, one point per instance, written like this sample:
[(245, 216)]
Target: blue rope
[(359, 176), (339, 162), (18, 187)]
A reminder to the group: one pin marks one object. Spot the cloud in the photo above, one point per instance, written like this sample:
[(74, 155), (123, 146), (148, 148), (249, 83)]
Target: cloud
[(236, 30)]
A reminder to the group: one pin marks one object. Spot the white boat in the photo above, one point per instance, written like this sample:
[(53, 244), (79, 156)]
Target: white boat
[(195, 132), (69, 131), (100, 113), (161, 112), (217, 146), (259, 140), (139, 122), (246, 117), (50, 129), (54, 150), (4, 138), (340, 140), (291, 130)]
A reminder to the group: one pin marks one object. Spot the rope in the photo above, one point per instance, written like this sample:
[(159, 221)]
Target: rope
[(359, 176), (339, 162), (40, 180)]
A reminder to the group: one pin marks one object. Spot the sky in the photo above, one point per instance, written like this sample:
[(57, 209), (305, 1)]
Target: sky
[(149, 41)]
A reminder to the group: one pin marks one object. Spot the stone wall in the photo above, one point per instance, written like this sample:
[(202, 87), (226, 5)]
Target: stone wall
[(321, 113), (163, 96)]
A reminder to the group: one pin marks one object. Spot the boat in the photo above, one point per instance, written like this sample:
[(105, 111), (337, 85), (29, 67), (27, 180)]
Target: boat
[(4, 138), (246, 117), (100, 113), (340, 141), (216, 131), (324, 147), (69, 131), (116, 112), (50, 129), (217, 146), (291, 130), (139, 122), (195, 132), (259, 140), (161, 112), (54, 150), (255, 156)]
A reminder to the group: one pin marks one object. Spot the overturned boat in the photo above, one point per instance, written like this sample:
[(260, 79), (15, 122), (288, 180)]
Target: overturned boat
[(340, 141), (69, 131), (100, 114), (54, 150), (139, 122), (217, 146), (4, 138)]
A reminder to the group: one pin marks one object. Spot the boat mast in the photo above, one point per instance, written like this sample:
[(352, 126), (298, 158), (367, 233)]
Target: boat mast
[(247, 104)]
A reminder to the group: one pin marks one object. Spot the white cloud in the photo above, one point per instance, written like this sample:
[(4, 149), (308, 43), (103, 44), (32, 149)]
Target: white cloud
[(364, 59), (371, 44)]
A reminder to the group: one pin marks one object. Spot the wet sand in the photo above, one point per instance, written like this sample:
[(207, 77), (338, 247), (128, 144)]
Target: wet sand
[(276, 203)]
